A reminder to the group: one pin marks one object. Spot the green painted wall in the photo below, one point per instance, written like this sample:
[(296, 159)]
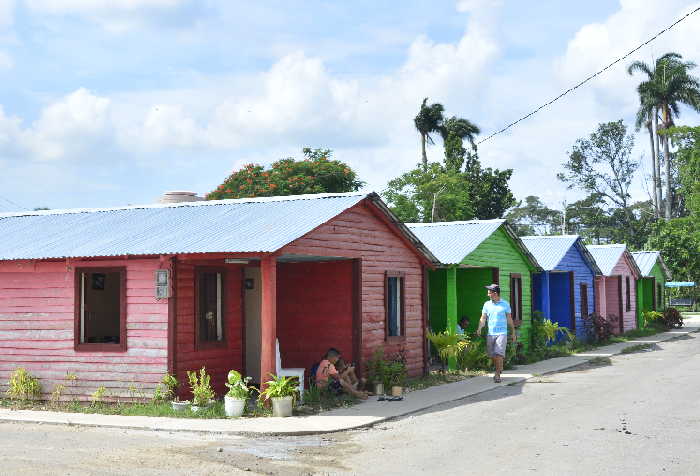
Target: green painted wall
[(658, 273), (645, 292), (500, 250), (437, 299), (471, 293)]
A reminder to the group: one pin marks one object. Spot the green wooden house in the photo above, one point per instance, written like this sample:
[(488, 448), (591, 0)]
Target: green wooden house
[(474, 254), (651, 287)]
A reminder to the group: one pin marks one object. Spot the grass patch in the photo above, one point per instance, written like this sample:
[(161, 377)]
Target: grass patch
[(317, 400), (600, 361), (636, 348), (437, 377)]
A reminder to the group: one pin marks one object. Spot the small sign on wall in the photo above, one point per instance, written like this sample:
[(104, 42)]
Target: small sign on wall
[(162, 284)]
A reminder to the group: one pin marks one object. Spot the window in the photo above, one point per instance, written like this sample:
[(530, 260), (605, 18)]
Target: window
[(100, 323), (584, 300), (209, 307), (628, 300), (395, 303), (516, 298)]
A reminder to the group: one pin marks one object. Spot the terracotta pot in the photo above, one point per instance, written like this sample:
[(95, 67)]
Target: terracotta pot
[(396, 391)]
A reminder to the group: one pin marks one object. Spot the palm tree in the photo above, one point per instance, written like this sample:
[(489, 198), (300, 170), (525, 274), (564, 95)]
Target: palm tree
[(462, 128), (668, 86), (645, 117), (428, 120)]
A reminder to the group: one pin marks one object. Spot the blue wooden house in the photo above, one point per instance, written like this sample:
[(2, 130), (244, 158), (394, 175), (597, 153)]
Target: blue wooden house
[(565, 291)]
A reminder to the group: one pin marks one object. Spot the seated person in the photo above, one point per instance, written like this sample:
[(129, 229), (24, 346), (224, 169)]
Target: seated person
[(348, 373), (462, 325), (327, 376)]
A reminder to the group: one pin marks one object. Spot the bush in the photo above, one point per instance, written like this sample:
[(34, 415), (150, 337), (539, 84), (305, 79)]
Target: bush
[(23, 386), (473, 356), (200, 385), (376, 366), (597, 328), (448, 345), (652, 318), (672, 318)]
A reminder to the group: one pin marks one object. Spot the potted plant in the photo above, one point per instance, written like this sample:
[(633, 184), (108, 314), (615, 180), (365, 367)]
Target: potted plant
[(202, 393), (238, 393), (281, 390), (171, 384), (396, 375), (376, 371)]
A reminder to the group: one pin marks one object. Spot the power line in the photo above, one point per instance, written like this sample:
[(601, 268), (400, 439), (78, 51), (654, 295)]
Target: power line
[(13, 203), (590, 77)]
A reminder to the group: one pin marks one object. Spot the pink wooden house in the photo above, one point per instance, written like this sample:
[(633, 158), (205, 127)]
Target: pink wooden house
[(616, 288), (118, 297)]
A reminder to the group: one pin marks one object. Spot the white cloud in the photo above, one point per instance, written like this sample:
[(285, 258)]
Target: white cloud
[(68, 126), (7, 13)]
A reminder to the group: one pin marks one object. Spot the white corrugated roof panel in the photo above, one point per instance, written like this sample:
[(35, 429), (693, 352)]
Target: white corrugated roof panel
[(243, 225), (451, 242), (549, 250), (646, 260), (607, 256)]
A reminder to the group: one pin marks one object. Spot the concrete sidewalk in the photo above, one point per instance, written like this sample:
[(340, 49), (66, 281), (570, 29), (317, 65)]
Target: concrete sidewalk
[(364, 414)]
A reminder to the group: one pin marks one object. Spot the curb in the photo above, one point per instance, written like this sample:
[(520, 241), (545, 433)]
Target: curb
[(46, 420)]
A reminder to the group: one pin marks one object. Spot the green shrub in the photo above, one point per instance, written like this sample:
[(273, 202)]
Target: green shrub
[(238, 387), (171, 384), (23, 386), (279, 387), (650, 318), (200, 385), (376, 366), (448, 345), (98, 396), (474, 357)]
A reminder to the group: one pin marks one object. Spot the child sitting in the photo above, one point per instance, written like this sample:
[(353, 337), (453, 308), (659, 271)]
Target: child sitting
[(328, 376)]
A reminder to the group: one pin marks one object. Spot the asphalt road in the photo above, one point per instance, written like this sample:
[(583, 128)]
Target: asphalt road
[(637, 416)]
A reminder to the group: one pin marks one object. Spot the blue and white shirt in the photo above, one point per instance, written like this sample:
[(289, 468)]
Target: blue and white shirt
[(497, 313)]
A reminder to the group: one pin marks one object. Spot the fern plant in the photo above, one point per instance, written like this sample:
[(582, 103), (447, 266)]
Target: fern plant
[(448, 345), (552, 330)]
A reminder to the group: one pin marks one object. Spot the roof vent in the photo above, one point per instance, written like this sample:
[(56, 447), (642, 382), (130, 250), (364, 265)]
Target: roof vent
[(179, 197)]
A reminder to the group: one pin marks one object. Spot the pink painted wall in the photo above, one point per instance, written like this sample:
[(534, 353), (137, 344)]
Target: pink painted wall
[(612, 299), (360, 233), (624, 269), (37, 317)]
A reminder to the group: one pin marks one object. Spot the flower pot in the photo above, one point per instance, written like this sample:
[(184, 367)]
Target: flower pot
[(234, 407), (282, 406), (396, 391), (378, 388), (196, 408), (179, 406)]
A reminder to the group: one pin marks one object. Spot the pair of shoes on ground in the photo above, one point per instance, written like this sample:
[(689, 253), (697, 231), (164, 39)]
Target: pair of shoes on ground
[(497, 378), (382, 398)]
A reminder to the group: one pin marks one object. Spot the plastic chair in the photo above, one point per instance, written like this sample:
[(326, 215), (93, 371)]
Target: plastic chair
[(291, 372)]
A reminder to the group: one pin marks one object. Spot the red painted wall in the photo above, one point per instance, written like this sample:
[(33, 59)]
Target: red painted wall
[(218, 361), (360, 233), (314, 311), (37, 301)]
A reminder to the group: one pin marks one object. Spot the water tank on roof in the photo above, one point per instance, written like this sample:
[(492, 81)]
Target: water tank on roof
[(179, 196)]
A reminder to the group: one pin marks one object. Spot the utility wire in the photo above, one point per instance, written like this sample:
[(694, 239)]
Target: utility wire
[(590, 77)]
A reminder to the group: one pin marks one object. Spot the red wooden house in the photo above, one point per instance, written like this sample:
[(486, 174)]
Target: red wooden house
[(616, 288), (118, 297)]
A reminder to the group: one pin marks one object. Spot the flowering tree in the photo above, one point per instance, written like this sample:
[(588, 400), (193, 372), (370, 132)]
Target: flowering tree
[(315, 173)]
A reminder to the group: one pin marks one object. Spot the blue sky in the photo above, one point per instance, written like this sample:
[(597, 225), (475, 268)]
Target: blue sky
[(108, 103)]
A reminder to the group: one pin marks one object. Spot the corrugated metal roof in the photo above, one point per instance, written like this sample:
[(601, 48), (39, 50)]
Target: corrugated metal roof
[(646, 260), (549, 250), (244, 225), (607, 256), (452, 241)]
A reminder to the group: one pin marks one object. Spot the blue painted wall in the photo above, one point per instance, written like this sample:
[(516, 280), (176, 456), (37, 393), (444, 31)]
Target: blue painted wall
[(555, 303)]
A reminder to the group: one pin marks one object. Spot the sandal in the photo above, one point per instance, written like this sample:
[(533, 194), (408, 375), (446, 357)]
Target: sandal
[(497, 379)]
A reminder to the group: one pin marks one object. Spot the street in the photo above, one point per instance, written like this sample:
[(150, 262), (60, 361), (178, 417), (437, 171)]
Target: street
[(636, 415)]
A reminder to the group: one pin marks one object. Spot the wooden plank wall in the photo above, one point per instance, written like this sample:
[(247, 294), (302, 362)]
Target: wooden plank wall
[(37, 301), (623, 268), (360, 233), (573, 261), (218, 361)]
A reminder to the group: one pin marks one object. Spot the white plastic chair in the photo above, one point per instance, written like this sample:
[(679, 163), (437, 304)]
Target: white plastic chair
[(298, 372)]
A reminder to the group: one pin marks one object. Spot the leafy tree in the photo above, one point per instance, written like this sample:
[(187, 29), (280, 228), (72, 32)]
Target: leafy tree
[(429, 120), (589, 218), (668, 85), (441, 193), (316, 173), (679, 241), (687, 140), (429, 195), (534, 218), (602, 165)]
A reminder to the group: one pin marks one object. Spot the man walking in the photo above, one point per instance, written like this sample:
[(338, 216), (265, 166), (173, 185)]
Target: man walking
[(497, 312)]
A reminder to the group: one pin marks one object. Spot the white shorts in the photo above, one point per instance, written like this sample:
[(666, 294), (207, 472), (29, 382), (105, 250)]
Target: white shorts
[(496, 345)]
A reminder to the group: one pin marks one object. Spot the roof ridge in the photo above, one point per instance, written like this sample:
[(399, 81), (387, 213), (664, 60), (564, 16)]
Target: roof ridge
[(549, 236), (202, 203), (451, 223)]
